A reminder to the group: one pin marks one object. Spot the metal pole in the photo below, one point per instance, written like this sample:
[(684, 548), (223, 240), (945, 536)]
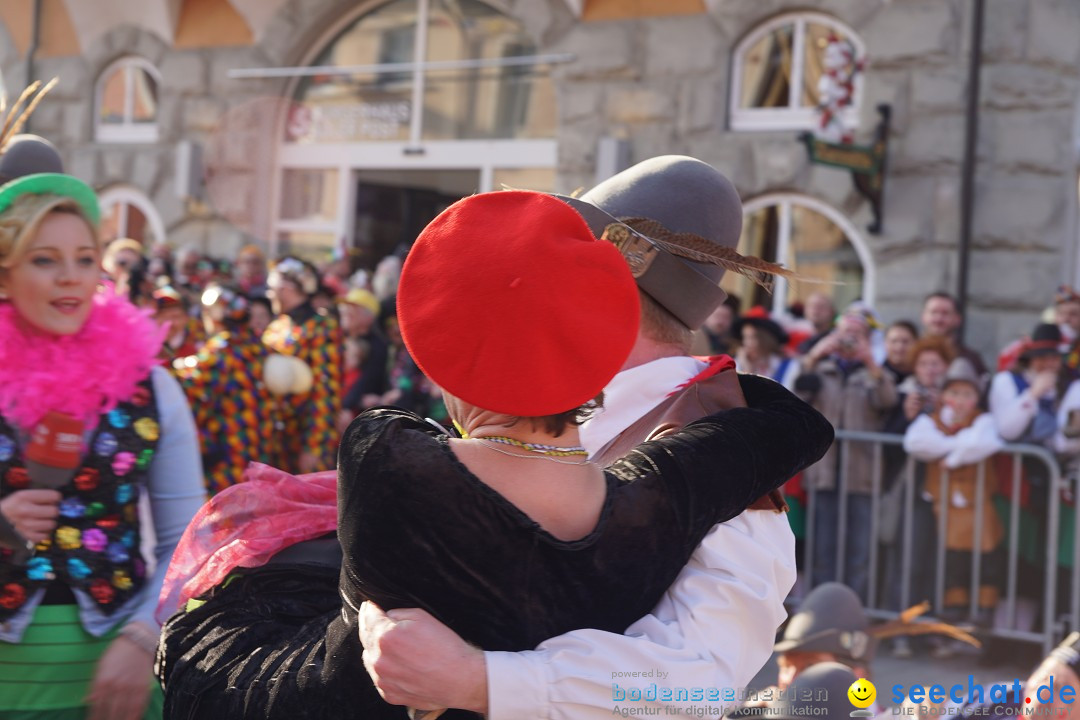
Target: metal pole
[(1053, 481), (842, 503), (809, 524), (35, 37), (468, 64), (419, 53), (976, 542), (1074, 604), (942, 527), (875, 501), (909, 510), (1014, 540), (967, 179)]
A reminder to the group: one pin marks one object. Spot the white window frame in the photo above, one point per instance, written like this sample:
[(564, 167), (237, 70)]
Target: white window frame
[(792, 117), (126, 131), (126, 195), (483, 156), (786, 201)]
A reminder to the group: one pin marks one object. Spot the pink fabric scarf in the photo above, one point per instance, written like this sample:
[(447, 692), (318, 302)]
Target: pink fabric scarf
[(245, 525), (82, 375)]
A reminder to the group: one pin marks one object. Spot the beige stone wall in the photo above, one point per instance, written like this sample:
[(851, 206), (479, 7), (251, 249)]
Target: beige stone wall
[(662, 84)]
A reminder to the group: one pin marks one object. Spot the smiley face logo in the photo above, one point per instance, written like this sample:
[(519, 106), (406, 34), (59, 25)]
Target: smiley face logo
[(862, 693)]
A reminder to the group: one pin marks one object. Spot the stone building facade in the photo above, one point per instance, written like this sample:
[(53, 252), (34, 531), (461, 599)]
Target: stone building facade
[(611, 83)]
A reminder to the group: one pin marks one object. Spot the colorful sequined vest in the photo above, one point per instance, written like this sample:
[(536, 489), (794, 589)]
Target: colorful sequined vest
[(95, 546)]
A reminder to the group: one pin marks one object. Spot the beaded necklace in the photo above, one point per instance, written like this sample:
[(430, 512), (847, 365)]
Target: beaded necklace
[(554, 450), (531, 457)]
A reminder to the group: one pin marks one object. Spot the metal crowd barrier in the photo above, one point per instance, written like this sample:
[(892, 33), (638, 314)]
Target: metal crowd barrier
[(1051, 626)]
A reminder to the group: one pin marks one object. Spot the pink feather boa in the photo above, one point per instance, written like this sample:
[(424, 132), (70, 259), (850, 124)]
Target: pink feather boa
[(84, 374)]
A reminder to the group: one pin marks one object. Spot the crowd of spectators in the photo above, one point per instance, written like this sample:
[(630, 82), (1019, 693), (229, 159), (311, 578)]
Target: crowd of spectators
[(921, 382)]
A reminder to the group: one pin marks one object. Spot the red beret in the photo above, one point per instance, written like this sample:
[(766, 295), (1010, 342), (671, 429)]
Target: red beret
[(508, 302)]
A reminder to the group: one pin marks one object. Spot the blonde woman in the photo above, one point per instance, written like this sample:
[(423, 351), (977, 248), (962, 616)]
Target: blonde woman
[(78, 363)]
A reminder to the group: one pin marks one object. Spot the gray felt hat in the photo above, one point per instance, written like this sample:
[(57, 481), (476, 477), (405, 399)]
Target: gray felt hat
[(681, 196), (830, 619), (961, 370), (28, 155)]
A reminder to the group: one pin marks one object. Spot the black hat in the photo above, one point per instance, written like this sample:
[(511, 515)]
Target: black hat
[(830, 619), (22, 155), (961, 370), (28, 155), (759, 318), (662, 198), (820, 690), (1045, 340)]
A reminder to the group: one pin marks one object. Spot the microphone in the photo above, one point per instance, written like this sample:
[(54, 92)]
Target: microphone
[(53, 453), (51, 460)]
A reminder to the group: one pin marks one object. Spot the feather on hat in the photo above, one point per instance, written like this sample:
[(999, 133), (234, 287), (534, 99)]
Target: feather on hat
[(14, 118)]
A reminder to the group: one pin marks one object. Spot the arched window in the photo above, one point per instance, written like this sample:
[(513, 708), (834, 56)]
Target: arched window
[(126, 212), (809, 237), (403, 108), (480, 78), (778, 68), (126, 102)]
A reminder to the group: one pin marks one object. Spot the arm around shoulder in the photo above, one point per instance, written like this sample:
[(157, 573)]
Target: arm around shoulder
[(762, 445), (718, 466), (714, 628)]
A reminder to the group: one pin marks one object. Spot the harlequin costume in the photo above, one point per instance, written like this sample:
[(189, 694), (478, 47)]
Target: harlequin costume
[(315, 338), (235, 412), (89, 581), (193, 334), (194, 337)]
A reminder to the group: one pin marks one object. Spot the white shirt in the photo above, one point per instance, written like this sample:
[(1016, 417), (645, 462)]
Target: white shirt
[(1013, 411), (714, 627), (973, 444)]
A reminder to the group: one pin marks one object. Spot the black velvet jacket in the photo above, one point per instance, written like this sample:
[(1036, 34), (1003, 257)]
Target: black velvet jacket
[(418, 529)]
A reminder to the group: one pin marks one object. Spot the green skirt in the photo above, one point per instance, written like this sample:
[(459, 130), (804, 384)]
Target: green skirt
[(47, 675)]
